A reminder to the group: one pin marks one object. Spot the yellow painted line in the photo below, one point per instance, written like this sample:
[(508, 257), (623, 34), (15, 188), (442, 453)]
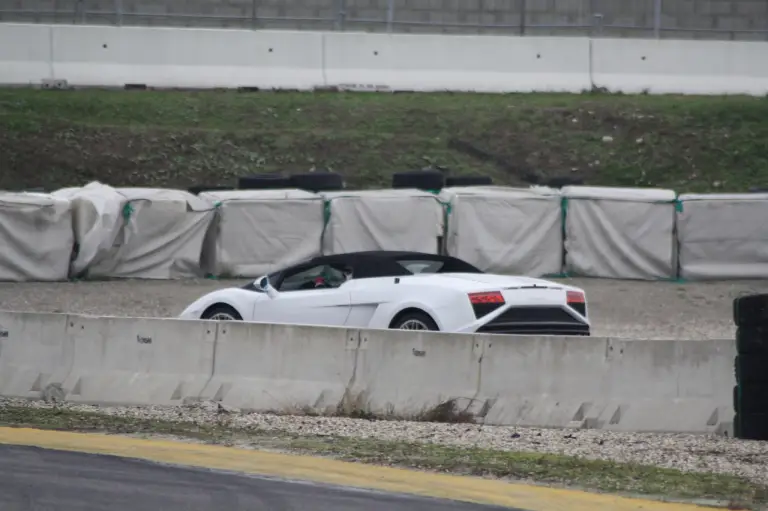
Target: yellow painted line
[(320, 470)]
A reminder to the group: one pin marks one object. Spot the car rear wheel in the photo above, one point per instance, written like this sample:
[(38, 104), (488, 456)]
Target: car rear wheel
[(221, 313), (415, 321)]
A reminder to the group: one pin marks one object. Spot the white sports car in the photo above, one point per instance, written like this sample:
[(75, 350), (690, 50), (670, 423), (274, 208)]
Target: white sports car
[(401, 290)]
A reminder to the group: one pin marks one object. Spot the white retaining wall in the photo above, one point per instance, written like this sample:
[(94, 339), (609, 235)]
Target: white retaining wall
[(628, 385), (178, 57)]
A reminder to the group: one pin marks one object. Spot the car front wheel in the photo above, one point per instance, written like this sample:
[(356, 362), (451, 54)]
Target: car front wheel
[(221, 312)]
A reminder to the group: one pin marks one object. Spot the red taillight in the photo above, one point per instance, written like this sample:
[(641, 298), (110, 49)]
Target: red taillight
[(492, 297), (574, 297)]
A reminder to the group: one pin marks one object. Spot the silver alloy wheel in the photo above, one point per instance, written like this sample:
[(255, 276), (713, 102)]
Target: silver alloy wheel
[(222, 316), (414, 324)]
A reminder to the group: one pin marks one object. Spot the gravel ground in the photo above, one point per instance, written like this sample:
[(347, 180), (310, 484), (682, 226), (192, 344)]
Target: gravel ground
[(692, 453), (651, 310)]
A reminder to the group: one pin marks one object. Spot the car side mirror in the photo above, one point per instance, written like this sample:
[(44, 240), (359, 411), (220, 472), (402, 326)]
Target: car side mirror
[(265, 285)]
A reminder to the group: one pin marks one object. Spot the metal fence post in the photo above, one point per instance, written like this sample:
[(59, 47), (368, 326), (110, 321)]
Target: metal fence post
[(657, 6), (119, 13), (341, 14), (390, 15)]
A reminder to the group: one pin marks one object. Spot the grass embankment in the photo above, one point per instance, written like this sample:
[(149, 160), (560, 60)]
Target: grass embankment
[(178, 139), (548, 469)]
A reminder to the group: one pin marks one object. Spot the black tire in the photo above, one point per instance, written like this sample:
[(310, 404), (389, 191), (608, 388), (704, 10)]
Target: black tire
[(751, 310), (263, 182), (751, 398), (197, 190), (222, 309), (469, 181), (432, 180), (412, 318), (751, 426), (317, 181), (752, 341), (752, 369)]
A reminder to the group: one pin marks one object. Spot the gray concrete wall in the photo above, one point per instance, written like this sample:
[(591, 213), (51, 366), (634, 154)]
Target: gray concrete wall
[(688, 19)]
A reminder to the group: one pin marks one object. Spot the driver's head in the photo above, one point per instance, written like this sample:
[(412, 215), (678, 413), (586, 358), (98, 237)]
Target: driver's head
[(347, 271)]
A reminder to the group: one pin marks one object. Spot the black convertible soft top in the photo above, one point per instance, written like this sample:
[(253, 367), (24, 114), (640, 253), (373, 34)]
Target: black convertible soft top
[(387, 263), (376, 263)]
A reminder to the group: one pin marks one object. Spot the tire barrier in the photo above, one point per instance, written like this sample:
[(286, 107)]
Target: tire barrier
[(750, 396), (468, 181), (317, 181), (420, 179)]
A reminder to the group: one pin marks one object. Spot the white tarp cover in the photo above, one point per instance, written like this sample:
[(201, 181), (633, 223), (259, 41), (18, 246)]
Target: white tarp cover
[(506, 230), (36, 239), (383, 220), (97, 220), (620, 233), (161, 237), (723, 236), (259, 231)]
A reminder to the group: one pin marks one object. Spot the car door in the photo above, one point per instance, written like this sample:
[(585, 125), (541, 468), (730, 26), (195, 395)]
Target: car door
[(300, 303)]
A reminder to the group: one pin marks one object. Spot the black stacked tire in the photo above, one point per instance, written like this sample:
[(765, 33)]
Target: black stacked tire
[(468, 181), (317, 181), (752, 341), (750, 396), (263, 182), (430, 180)]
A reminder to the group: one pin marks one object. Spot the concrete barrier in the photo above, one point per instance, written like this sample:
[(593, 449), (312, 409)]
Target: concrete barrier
[(281, 367), (621, 385), (681, 67), (102, 360), (228, 58), (36, 354), (626, 385), (136, 361), (171, 57), (407, 374), (25, 54), (457, 63)]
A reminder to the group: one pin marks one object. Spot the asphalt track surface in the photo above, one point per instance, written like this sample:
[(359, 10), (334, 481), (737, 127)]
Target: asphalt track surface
[(35, 479)]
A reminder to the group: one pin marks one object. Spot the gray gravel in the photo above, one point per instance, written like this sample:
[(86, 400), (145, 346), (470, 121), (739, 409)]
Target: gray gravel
[(653, 310), (693, 453)]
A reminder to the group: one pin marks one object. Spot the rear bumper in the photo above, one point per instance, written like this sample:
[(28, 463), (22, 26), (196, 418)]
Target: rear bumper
[(536, 329), (535, 320)]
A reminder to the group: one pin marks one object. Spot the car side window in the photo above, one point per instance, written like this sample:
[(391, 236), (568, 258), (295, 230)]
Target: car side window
[(316, 277), (416, 267)]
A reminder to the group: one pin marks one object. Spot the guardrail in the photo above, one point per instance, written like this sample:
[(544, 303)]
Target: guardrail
[(78, 55), (622, 385), (99, 232)]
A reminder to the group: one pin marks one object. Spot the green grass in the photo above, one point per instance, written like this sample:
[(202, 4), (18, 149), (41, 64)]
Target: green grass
[(64, 138), (548, 469)]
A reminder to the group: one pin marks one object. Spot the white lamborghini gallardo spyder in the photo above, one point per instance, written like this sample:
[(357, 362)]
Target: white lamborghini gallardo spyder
[(400, 290)]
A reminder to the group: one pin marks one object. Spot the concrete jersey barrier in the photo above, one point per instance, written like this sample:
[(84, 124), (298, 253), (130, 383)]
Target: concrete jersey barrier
[(627, 385), (81, 55)]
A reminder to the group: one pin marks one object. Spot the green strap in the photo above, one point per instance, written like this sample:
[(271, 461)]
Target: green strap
[(127, 211)]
